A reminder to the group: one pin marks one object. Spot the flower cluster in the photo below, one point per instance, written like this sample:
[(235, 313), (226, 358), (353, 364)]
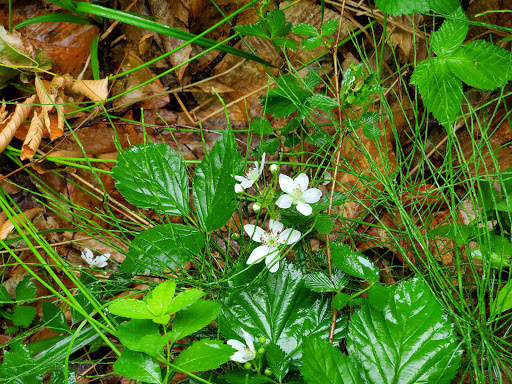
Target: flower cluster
[(296, 192), (98, 261)]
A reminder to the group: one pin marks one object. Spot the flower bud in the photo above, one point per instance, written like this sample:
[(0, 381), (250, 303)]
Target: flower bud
[(256, 207), (247, 366), (235, 235), (274, 168), (239, 188), (262, 339), (268, 372), (261, 351)]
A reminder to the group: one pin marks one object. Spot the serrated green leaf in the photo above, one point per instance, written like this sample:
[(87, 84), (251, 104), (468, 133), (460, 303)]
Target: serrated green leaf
[(142, 336), (159, 299), (255, 29), (4, 296), (304, 29), (131, 308), (318, 137), (282, 309), (286, 43), (239, 377), (153, 176), (277, 24), (164, 247), (481, 64), (400, 7), (310, 43), (409, 341), (319, 282), (354, 263), (18, 363), (323, 223), (26, 289), (329, 28), (184, 299), (193, 318), (340, 300), (268, 146), (59, 375), (138, 366), (322, 102), (204, 355), (451, 34), (372, 132), (23, 315), (54, 317), (261, 126), (324, 363), (312, 79), (503, 301), (369, 118), (214, 192), (444, 7), (440, 90), (278, 361)]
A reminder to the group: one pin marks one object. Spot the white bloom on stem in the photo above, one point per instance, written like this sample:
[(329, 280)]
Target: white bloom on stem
[(274, 168), (238, 188), (297, 192), (256, 207), (252, 175), (271, 240), (98, 261), (245, 352)]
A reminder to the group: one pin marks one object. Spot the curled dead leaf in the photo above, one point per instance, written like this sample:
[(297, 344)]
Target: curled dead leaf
[(9, 188), (95, 90), (8, 225), (17, 117), (57, 130), (47, 100), (33, 138)]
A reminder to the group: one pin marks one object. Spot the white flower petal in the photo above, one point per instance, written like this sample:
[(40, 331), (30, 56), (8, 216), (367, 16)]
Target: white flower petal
[(238, 345), (305, 209), (285, 201), (246, 183), (262, 163), (242, 356), (302, 181), (275, 226), (254, 232), (286, 183), (100, 261), (288, 236), (258, 254), (241, 178), (312, 195), (272, 262), (248, 340)]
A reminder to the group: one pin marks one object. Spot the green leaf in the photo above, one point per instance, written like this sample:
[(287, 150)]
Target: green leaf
[(26, 289), (370, 118), (159, 299), (444, 7), (204, 355), (184, 299), (409, 341), (261, 126), (278, 361), (319, 282), (277, 24), (131, 308), (440, 90), (214, 192), (312, 79), (503, 301), (354, 263), (153, 176), (340, 300), (142, 336), (54, 18), (59, 376), (286, 43), (268, 146), (329, 28), (193, 318), (282, 309), (138, 366), (304, 30), (14, 54), (255, 29), (481, 64), (323, 223), (324, 363), (4, 296), (372, 132), (164, 247), (54, 317), (451, 34), (239, 377), (400, 7), (319, 137), (23, 315), (310, 43), (18, 363), (322, 102)]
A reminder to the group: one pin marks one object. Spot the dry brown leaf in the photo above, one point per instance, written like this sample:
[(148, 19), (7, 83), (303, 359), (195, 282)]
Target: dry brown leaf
[(3, 113), (17, 117), (9, 188), (95, 90), (33, 138), (47, 100), (8, 226), (58, 129)]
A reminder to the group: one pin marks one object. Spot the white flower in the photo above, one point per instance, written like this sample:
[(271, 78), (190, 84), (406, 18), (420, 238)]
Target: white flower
[(98, 261), (274, 168), (245, 352), (252, 175), (238, 188), (297, 192), (271, 240), (256, 207)]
